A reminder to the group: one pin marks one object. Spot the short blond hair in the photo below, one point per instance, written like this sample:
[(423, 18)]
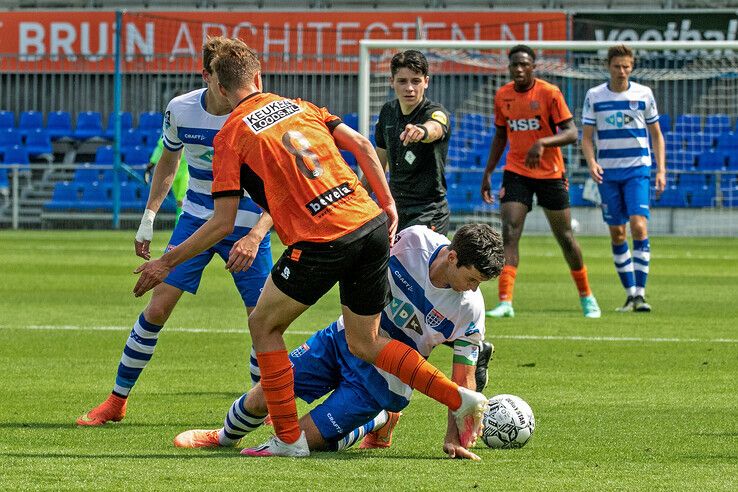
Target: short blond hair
[(209, 49), (235, 64)]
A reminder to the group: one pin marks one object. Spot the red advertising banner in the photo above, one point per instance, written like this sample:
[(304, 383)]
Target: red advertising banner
[(64, 41)]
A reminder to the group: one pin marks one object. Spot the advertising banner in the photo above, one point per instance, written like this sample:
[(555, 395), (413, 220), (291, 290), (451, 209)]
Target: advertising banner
[(64, 41)]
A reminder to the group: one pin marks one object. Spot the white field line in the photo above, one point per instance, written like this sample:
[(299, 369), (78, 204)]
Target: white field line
[(572, 338)]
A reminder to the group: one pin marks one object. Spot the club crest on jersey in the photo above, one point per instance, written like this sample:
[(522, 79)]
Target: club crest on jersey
[(633, 105), (299, 351), (271, 114), (619, 119), (434, 318)]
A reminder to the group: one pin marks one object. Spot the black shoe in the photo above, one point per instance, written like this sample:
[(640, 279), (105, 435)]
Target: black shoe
[(640, 305), (628, 306), (485, 355)]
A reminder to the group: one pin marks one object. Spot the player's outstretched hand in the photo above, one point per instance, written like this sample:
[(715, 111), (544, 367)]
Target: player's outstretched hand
[(152, 274), (533, 157), (413, 133), (486, 191), (144, 234), (143, 249), (242, 254), (595, 171), (660, 183), (456, 450)]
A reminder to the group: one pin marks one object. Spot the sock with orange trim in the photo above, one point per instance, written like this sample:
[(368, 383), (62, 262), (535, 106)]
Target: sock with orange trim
[(277, 382), (506, 283), (413, 370), (582, 281)]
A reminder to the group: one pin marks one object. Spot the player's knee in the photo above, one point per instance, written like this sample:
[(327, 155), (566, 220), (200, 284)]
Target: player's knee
[(157, 313), (363, 349)]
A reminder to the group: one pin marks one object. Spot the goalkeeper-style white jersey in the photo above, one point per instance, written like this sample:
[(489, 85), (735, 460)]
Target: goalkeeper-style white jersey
[(422, 315), (188, 124)]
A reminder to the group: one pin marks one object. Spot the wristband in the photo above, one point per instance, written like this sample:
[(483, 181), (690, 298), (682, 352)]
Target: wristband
[(425, 132)]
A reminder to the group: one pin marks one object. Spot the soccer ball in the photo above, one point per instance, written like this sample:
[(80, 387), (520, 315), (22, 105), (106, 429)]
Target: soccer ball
[(508, 422), (575, 226)]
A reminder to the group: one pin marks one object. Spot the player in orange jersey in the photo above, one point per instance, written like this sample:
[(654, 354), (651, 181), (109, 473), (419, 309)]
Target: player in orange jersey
[(532, 115), (285, 154)]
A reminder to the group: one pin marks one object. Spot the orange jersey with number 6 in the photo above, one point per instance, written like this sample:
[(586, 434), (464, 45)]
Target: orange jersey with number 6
[(528, 116), (282, 152)]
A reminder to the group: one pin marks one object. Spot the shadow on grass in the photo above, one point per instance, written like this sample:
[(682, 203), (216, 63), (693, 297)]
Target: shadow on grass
[(99, 428), (210, 453)]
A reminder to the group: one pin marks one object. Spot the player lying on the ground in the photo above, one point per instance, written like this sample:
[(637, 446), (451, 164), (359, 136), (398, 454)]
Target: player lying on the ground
[(435, 299)]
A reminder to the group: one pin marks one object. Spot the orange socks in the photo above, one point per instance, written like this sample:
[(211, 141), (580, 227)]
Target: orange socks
[(413, 370), (506, 283), (582, 281), (278, 384)]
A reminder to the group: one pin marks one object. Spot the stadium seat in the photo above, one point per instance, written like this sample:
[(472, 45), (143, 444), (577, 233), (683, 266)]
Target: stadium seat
[(4, 183), (703, 196), (688, 123), (126, 123), (675, 142), (680, 160), (89, 125), (715, 124), (104, 154), (59, 125), (671, 197), (137, 155), (30, 121), (350, 159), (150, 126), (699, 142), (727, 142), (728, 180), (7, 119), (690, 180), (576, 195), (130, 138), (65, 196), (17, 154), (665, 122), (8, 138), (38, 142), (352, 120), (132, 197), (87, 173), (711, 160), (96, 196)]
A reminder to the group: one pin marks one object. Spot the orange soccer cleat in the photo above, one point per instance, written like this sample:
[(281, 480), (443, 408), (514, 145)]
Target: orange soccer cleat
[(382, 437), (113, 409), (197, 439)]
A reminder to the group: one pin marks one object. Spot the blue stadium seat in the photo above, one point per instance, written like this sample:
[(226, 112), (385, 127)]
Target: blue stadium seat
[(576, 196), (350, 159), (680, 160), (665, 122), (675, 142), (137, 155), (38, 142), (715, 124), (729, 180), (4, 183), (150, 126), (7, 119), (703, 196), (711, 160), (130, 138), (17, 154), (727, 142), (65, 196), (89, 125), (671, 197), (688, 180), (688, 123), (96, 196), (9, 137), (126, 123), (699, 142), (352, 120), (30, 121), (59, 125), (132, 196), (87, 173), (104, 154)]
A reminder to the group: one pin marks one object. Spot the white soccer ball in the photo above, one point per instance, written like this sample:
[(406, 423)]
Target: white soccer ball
[(575, 226), (508, 422)]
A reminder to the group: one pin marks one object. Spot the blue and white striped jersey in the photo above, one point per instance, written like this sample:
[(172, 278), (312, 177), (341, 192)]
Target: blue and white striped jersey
[(188, 124), (621, 122), (422, 315)]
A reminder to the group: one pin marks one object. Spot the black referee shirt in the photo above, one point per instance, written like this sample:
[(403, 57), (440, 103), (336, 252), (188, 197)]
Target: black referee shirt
[(416, 171)]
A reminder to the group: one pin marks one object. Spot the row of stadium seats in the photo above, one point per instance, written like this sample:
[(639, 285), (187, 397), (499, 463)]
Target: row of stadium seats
[(88, 126), (96, 196)]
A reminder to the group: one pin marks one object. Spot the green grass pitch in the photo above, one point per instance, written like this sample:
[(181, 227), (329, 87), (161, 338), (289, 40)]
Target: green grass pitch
[(627, 402)]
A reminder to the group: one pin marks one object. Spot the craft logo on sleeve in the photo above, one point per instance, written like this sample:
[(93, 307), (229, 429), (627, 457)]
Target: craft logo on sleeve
[(271, 114)]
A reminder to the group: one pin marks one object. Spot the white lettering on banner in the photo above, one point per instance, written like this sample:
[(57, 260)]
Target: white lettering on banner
[(284, 42), (84, 41), (135, 41), (189, 49), (63, 35), (340, 42), (243, 25), (31, 36)]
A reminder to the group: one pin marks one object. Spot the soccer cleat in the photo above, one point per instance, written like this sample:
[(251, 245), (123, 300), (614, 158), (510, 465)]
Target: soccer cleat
[(627, 307), (469, 416), (640, 305), (197, 438), (502, 310), (276, 447), (481, 375), (590, 308), (382, 437), (111, 410)]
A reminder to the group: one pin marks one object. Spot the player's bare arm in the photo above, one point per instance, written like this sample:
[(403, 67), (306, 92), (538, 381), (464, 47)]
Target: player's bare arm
[(427, 132), (566, 135), (463, 375), (161, 183), (659, 152), (495, 152), (382, 154), (244, 250), (214, 230), (349, 139), (595, 170)]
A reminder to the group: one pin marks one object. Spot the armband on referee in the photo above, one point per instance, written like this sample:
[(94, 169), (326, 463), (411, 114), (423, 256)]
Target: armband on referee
[(425, 133)]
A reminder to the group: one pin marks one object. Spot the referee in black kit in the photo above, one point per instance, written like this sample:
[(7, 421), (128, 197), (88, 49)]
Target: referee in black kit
[(412, 137)]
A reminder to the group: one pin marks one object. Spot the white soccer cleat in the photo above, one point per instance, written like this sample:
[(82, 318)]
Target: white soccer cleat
[(469, 416), (502, 310), (276, 447)]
